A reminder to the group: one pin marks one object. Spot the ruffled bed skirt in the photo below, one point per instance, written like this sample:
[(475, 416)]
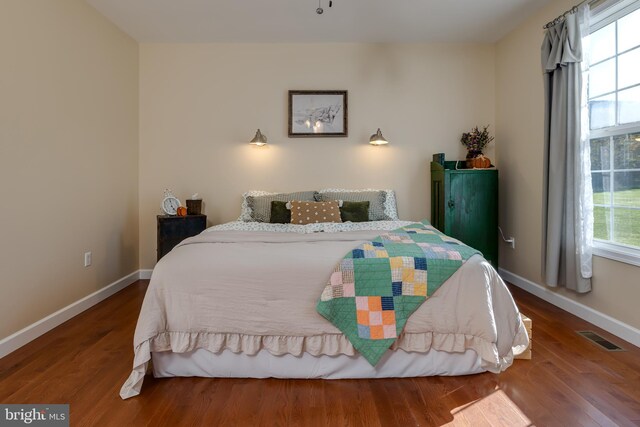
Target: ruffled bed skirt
[(327, 344)]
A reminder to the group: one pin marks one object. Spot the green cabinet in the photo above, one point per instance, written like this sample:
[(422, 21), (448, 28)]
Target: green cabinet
[(464, 205)]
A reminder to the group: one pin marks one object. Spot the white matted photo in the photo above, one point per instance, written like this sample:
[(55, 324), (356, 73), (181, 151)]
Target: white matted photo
[(317, 113)]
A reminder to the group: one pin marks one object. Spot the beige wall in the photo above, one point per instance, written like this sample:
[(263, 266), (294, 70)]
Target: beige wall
[(201, 104), (69, 148), (68, 156), (520, 127)]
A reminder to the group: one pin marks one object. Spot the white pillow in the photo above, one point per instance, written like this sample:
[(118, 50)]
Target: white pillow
[(390, 208)]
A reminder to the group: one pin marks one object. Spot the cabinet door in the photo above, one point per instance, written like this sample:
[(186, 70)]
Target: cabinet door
[(481, 193), (472, 211), (455, 217)]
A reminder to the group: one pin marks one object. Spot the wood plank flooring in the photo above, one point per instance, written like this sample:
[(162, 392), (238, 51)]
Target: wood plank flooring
[(569, 382)]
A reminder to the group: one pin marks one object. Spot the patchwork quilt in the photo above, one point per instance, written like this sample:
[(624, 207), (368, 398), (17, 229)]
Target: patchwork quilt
[(379, 284)]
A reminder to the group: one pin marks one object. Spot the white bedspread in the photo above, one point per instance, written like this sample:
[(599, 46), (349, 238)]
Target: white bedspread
[(249, 291)]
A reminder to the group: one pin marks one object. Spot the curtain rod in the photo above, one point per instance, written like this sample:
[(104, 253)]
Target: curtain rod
[(562, 17)]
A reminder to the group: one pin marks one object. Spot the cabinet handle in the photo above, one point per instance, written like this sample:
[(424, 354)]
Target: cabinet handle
[(451, 204)]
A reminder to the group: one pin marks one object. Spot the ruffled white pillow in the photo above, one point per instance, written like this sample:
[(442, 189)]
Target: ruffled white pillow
[(245, 209)]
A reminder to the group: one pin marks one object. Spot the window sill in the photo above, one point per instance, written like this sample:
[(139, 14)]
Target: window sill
[(620, 253)]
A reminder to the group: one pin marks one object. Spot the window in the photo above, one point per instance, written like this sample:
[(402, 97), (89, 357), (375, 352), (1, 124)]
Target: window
[(614, 120)]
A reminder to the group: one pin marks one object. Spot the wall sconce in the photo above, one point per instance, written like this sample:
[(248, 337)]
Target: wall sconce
[(377, 139), (259, 139)]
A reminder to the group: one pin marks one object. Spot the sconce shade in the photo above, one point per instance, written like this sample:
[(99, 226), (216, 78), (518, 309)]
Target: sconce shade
[(259, 139), (377, 139)]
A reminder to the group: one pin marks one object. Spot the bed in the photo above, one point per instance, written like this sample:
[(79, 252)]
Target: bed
[(239, 300)]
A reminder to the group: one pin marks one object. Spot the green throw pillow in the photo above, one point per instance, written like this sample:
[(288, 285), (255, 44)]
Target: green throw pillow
[(354, 211), (279, 213)]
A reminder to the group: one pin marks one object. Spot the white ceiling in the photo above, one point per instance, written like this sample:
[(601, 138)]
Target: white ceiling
[(201, 21)]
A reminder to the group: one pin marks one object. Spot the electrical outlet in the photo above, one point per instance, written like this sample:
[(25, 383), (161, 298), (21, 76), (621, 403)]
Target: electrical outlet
[(87, 259), (511, 241)]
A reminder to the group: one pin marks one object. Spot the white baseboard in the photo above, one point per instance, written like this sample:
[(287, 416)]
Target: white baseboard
[(145, 274), (42, 326), (604, 321)]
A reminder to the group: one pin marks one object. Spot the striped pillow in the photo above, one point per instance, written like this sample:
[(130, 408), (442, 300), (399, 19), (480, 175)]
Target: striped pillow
[(375, 198), (260, 206)]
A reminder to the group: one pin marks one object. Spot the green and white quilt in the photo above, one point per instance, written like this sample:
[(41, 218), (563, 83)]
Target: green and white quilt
[(379, 284)]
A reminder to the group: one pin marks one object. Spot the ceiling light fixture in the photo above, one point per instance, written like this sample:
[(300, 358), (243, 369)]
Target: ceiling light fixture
[(320, 10)]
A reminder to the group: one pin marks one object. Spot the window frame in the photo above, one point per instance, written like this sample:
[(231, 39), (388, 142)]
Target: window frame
[(603, 14)]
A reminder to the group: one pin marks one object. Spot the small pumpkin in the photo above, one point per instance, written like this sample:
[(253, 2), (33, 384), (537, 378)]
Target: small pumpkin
[(480, 162), (181, 211)]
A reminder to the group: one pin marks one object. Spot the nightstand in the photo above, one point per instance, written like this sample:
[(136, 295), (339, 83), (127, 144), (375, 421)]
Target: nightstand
[(174, 229)]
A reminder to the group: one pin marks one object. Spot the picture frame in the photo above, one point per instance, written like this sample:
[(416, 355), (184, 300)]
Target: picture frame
[(318, 113)]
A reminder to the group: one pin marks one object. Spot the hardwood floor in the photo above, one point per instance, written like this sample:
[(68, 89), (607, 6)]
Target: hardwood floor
[(569, 382)]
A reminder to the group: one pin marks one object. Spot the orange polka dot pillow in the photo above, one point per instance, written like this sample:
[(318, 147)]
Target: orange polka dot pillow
[(303, 212)]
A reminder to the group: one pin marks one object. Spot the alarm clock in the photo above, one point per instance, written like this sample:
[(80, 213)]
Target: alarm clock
[(170, 203)]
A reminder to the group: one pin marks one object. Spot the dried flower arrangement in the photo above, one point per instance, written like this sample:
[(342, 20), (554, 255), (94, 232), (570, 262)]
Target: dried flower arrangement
[(476, 140)]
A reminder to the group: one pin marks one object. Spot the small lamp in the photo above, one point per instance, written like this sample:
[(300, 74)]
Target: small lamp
[(377, 139), (259, 139)]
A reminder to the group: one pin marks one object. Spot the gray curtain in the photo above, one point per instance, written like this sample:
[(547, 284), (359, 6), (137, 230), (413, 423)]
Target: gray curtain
[(567, 216)]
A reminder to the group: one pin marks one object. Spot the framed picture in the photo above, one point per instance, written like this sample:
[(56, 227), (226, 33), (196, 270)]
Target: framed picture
[(317, 113)]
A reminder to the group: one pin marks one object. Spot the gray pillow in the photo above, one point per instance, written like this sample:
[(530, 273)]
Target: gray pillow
[(260, 206), (376, 201)]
